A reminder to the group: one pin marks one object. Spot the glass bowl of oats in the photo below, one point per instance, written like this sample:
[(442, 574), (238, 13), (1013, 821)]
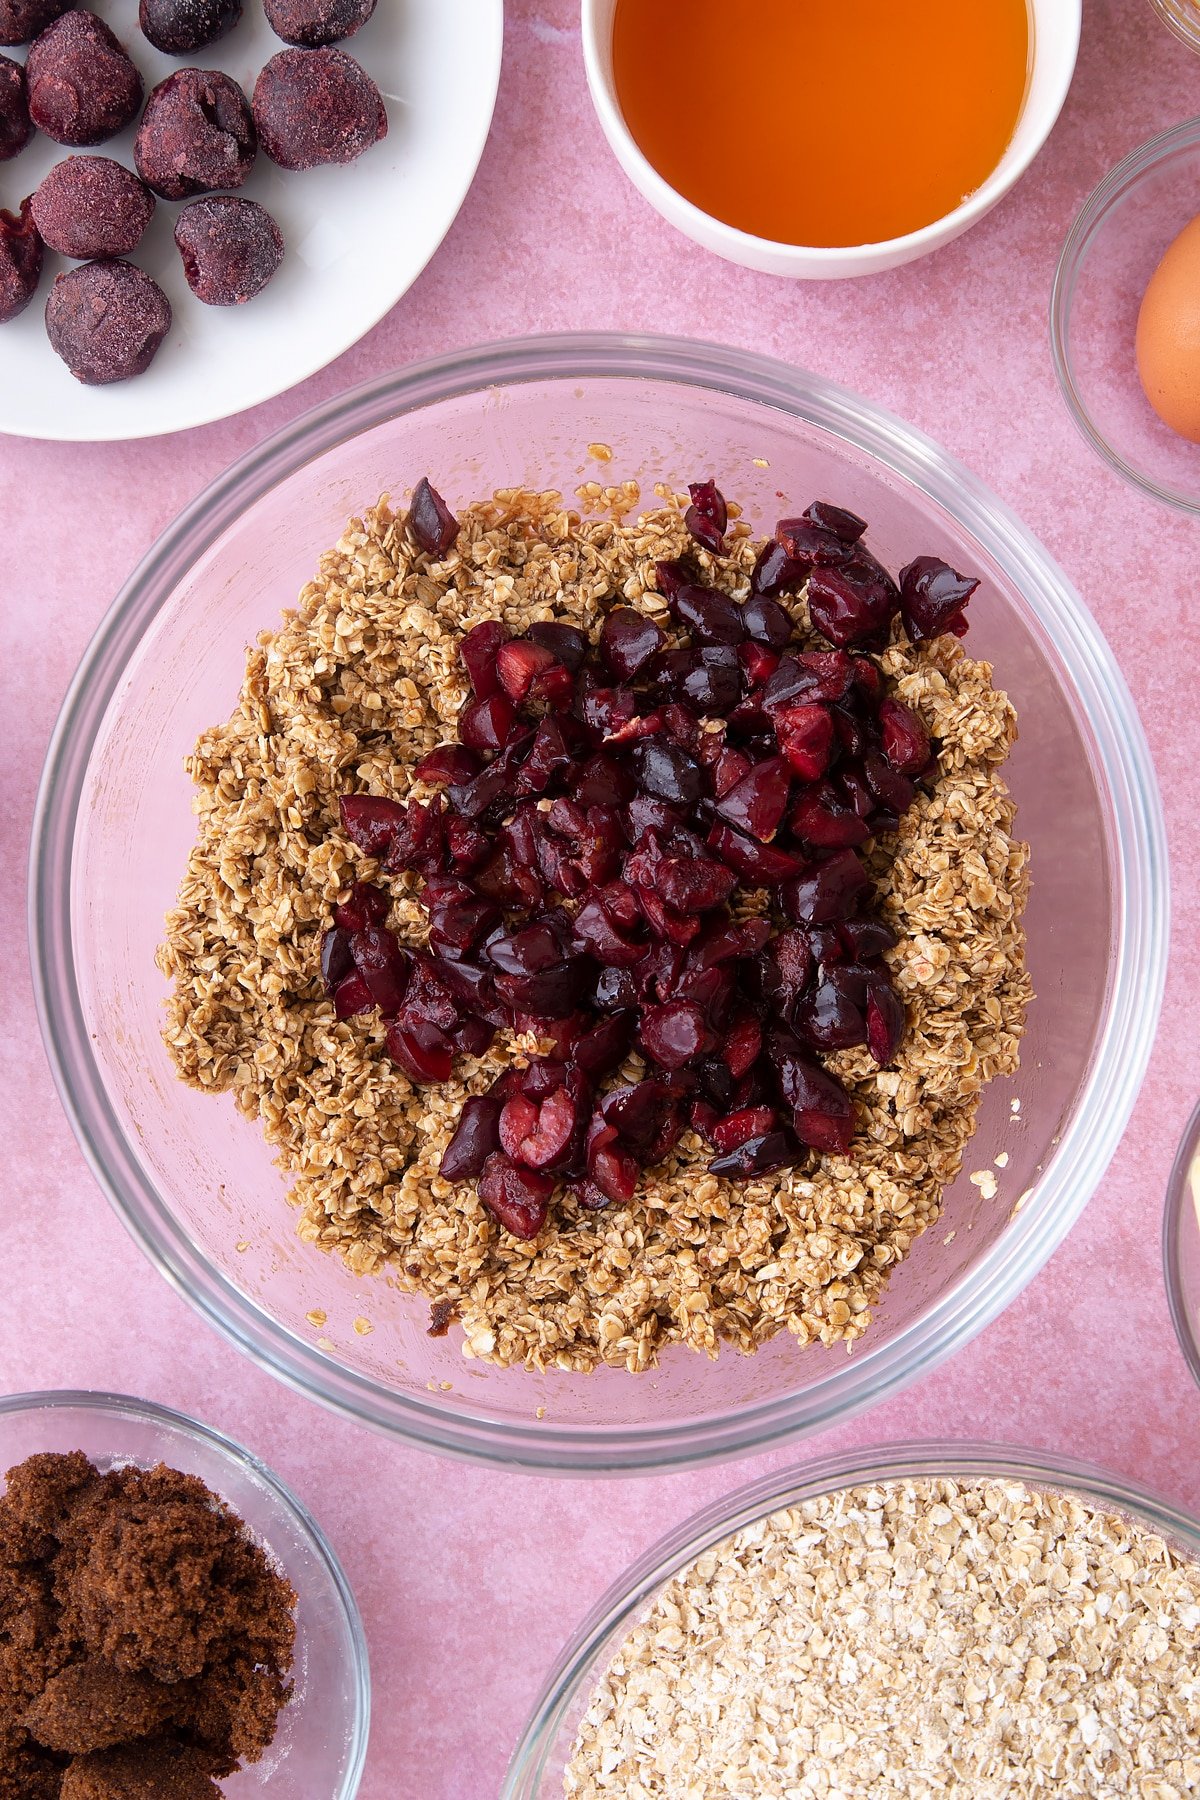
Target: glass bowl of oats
[(983, 1615), (591, 1345)]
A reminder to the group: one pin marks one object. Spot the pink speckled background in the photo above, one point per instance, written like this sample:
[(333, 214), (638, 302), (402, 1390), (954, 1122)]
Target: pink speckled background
[(471, 1580)]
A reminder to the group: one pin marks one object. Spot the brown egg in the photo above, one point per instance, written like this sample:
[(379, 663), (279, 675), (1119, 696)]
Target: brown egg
[(1168, 335)]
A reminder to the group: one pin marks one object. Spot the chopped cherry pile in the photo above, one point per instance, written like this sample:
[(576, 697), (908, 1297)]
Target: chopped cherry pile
[(602, 808)]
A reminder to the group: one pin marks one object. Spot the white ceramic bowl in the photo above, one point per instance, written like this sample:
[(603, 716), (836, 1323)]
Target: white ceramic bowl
[(1055, 28), (438, 65)]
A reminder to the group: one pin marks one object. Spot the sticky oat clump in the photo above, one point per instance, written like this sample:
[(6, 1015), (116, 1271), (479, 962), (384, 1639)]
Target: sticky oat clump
[(360, 682), (908, 1641)]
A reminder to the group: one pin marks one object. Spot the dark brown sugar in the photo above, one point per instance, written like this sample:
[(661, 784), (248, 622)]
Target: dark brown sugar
[(145, 1639), (30, 1775), (141, 1774), (94, 1706)]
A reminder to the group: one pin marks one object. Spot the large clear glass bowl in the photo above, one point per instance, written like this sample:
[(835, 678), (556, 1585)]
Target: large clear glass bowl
[(321, 1742), (194, 1180), (536, 1769)]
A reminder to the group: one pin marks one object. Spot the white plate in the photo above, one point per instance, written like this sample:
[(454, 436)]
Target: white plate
[(357, 236)]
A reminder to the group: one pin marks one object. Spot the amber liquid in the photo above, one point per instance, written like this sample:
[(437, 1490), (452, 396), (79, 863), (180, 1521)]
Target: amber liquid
[(823, 122)]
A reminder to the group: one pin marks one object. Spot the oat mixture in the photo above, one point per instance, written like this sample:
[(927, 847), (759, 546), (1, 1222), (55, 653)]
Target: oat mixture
[(357, 684), (911, 1639)]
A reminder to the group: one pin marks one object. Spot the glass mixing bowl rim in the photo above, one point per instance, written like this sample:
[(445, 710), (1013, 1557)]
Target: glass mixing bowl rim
[(631, 1595), (1136, 840), (1092, 214), (1179, 1197), (1186, 32), (178, 1424)]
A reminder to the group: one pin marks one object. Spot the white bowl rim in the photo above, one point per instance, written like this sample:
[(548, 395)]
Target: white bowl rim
[(1139, 874), (867, 1466), (704, 228)]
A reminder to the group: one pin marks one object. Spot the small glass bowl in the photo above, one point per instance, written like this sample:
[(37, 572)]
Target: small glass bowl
[(536, 1769), (1181, 1244), (1182, 17), (1112, 250), (321, 1743)]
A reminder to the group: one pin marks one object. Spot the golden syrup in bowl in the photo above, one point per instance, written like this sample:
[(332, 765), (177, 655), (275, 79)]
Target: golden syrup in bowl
[(823, 122)]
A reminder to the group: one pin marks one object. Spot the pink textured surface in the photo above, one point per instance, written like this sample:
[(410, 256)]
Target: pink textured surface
[(470, 1580)]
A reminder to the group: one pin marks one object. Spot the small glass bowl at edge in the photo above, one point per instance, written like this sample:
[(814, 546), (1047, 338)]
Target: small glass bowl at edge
[(1181, 1244), (321, 1743), (1109, 256), (1181, 17)]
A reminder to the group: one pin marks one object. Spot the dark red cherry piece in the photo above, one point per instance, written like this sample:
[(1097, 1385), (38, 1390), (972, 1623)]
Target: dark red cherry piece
[(433, 526), (476, 1137), (933, 599), (518, 1198)]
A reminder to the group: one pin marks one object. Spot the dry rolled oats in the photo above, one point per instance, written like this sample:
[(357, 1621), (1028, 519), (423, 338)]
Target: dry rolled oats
[(358, 683), (913, 1640)]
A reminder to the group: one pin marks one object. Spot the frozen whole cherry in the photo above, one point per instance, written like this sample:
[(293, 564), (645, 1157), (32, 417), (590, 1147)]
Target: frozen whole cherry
[(20, 261), (106, 320), (317, 106), (92, 206), (16, 126), (196, 135), (22, 20), (82, 86), (181, 27), (312, 23), (230, 249)]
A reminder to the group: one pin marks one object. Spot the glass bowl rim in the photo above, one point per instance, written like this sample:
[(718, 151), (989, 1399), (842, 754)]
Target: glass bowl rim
[(909, 1459), (1125, 775), (118, 1406), (1091, 216), (1187, 34), (1179, 1197)]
